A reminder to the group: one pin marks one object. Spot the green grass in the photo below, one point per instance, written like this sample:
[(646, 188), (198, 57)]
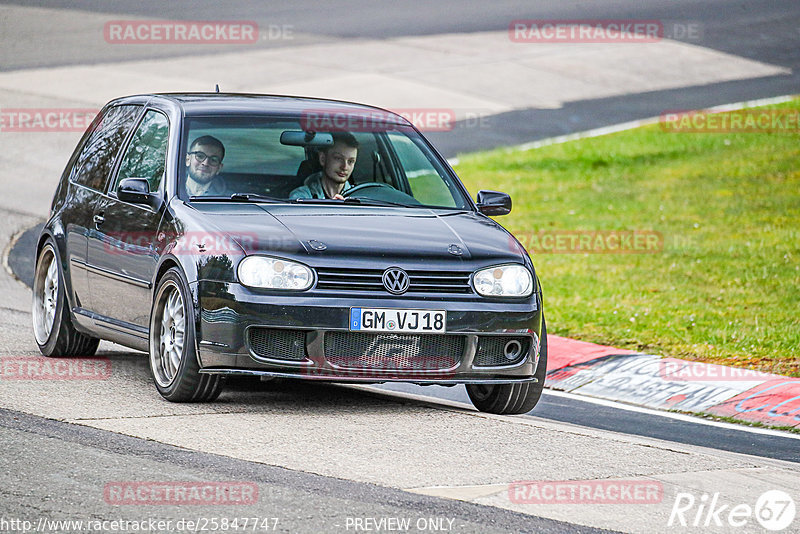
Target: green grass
[(725, 288)]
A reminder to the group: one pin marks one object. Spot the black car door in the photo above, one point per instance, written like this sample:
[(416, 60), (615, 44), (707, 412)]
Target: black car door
[(122, 249), (88, 179)]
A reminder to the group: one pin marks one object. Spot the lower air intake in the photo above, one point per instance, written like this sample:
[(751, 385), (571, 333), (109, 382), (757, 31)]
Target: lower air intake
[(496, 351), (278, 344), (392, 352)]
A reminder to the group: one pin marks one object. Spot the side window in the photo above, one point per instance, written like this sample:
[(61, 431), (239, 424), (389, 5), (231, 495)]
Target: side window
[(96, 160), (147, 152)]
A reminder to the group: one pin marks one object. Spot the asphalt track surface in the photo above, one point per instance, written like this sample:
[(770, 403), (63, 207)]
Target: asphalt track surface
[(300, 502)]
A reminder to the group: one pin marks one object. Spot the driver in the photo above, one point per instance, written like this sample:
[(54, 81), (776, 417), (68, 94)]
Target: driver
[(337, 161)]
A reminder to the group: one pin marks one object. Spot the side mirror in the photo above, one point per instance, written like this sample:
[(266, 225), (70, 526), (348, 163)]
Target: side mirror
[(137, 191), (494, 203)]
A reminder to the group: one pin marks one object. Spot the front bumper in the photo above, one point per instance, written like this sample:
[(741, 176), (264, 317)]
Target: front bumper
[(229, 315)]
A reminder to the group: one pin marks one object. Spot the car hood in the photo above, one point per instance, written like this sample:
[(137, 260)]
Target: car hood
[(353, 231)]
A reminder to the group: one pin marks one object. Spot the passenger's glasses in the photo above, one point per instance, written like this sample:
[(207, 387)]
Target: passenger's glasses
[(201, 157)]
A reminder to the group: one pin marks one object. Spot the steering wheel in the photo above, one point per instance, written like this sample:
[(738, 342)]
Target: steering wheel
[(364, 186), (381, 191)]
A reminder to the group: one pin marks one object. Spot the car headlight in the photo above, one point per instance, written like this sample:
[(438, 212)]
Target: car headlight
[(274, 273), (504, 281)]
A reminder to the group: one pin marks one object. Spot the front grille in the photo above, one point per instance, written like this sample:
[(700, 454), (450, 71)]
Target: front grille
[(278, 344), (490, 351), (392, 352), (371, 280)]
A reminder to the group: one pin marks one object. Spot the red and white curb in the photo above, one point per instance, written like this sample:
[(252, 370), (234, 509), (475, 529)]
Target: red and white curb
[(671, 384)]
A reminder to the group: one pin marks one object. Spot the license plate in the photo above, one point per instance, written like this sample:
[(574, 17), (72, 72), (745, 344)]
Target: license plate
[(394, 320)]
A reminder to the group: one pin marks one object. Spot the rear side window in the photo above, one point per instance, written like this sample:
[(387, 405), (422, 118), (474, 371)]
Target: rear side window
[(96, 160), (147, 152)]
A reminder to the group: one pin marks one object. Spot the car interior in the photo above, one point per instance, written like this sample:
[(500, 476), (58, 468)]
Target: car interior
[(274, 159), (370, 167)]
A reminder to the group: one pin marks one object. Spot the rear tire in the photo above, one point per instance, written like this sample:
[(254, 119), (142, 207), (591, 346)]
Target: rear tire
[(512, 399), (173, 353), (52, 325)]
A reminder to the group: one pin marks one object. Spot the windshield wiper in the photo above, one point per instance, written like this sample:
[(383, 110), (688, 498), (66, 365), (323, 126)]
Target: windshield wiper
[(237, 197), (363, 201), (316, 201), (256, 197), (376, 202)]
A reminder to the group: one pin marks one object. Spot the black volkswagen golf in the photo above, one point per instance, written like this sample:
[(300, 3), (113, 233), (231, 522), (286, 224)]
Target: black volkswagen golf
[(232, 234)]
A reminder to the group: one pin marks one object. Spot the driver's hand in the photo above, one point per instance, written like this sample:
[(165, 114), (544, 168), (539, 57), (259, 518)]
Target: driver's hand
[(337, 196)]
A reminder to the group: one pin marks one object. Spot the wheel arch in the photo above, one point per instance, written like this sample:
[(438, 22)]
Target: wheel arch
[(54, 233), (188, 270)]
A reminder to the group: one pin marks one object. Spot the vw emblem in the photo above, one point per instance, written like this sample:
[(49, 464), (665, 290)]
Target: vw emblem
[(455, 250), (395, 280)]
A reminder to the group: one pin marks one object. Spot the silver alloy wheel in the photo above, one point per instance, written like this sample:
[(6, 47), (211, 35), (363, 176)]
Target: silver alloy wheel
[(45, 295), (168, 340)]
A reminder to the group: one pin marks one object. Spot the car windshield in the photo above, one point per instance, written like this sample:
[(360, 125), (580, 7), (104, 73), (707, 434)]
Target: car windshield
[(255, 159)]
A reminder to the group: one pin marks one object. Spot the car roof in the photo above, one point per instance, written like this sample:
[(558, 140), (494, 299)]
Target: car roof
[(258, 104)]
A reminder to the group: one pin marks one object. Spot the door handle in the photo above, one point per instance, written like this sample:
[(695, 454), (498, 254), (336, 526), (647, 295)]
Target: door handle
[(99, 219)]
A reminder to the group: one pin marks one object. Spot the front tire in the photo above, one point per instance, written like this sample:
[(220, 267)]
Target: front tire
[(512, 399), (52, 325), (173, 354)]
